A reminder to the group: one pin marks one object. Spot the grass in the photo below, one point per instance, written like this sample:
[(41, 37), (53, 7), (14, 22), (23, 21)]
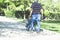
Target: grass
[(51, 25)]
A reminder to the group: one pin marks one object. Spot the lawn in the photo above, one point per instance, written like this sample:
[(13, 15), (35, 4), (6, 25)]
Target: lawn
[(51, 25)]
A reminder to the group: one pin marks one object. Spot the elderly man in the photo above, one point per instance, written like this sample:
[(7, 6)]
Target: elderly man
[(35, 14)]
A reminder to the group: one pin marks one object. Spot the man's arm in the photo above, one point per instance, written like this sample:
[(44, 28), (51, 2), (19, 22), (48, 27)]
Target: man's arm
[(41, 13), (31, 12)]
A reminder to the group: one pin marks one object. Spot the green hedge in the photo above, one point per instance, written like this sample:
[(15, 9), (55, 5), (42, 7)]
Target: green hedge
[(9, 13)]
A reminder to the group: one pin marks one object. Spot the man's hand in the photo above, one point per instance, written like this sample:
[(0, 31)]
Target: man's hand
[(42, 16), (29, 15)]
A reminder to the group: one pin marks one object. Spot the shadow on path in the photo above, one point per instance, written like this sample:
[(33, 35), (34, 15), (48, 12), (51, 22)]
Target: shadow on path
[(11, 26)]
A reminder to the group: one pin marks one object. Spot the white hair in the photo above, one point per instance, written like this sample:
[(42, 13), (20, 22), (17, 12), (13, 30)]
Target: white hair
[(35, 0)]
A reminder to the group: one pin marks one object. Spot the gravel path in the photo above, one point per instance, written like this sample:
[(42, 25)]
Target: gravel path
[(11, 29)]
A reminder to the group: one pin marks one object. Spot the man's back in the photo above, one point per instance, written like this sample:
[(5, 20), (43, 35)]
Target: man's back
[(36, 7)]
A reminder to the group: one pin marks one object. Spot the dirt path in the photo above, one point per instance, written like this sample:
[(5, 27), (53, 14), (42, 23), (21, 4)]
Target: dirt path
[(11, 29)]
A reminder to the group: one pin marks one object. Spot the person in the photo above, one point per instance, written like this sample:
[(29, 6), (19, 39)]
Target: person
[(35, 14)]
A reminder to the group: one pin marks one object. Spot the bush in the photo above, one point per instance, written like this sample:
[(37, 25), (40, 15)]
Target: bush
[(52, 15), (46, 12), (9, 13)]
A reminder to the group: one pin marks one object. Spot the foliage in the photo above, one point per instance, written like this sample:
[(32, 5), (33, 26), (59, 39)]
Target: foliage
[(10, 11), (51, 7)]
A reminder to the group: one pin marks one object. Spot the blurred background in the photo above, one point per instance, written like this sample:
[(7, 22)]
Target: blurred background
[(21, 8)]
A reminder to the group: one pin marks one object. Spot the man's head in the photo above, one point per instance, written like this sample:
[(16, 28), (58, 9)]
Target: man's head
[(35, 0)]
